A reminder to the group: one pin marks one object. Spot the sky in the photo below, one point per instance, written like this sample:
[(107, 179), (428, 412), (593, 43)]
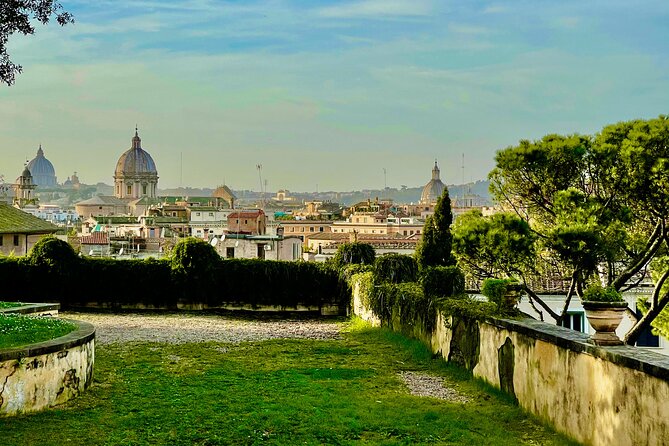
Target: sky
[(325, 95)]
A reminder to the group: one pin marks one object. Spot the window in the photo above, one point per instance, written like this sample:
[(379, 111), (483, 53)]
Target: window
[(230, 253), (144, 189), (211, 214), (573, 320), (246, 222), (129, 190), (16, 240), (320, 229), (311, 229), (197, 214), (1, 239)]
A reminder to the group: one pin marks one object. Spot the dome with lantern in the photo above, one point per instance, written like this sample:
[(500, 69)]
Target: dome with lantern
[(41, 170), (136, 175), (434, 188)]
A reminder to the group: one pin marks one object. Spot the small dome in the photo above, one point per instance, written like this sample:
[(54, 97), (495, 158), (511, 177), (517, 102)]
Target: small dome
[(135, 161), (42, 170), (434, 188)]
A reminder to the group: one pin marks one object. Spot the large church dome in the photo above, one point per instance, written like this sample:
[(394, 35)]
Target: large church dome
[(136, 175), (135, 160), (42, 170), (434, 188)]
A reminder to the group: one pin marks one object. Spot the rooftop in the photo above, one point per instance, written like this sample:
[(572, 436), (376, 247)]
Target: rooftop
[(15, 221)]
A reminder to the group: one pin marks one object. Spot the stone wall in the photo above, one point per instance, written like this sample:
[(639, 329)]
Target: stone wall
[(42, 375), (597, 395), (34, 309)]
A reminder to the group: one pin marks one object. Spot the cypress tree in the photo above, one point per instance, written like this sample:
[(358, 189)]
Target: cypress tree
[(435, 247)]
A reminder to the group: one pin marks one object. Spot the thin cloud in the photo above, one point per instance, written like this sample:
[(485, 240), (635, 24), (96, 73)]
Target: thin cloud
[(377, 9)]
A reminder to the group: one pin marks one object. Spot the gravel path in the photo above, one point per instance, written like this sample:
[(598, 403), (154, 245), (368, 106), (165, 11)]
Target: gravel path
[(183, 328), (421, 384)]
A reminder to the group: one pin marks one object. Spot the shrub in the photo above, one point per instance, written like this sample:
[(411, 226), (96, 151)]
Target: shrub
[(193, 255), (348, 253), (597, 293), (443, 281), (395, 268), (54, 255)]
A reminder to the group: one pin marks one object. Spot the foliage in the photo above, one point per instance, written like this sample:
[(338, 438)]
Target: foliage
[(5, 305), (353, 269), (53, 254), (501, 244), (442, 281), (494, 290), (598, 205), (597, 293), (193, 256), (467, 307), (395, 268), (17, 330), (19, 16), (356, 252), (154, 283), (277, 392), (435, 246), (497, 292)]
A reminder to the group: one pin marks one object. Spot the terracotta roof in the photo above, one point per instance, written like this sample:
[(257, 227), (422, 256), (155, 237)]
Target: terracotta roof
[(96, 238), (15, 221), (246, 214)]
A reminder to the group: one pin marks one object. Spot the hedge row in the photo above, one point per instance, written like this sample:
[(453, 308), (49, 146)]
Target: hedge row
[(78, 282)]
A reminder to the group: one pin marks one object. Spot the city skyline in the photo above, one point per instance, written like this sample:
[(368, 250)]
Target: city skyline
[(325, 95)]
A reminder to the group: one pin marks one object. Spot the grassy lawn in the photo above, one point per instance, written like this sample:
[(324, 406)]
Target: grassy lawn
[(17, 330), (5, 305), (276, 392)]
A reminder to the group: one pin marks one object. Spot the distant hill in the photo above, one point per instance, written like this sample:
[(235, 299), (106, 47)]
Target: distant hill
[(403, 195)]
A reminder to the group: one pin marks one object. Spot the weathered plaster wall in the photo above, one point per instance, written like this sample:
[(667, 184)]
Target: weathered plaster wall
[(43, 375), (601, 396)]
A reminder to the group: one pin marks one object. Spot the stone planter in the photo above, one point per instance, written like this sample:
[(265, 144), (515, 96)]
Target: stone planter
[(512, 296), (604, 318)]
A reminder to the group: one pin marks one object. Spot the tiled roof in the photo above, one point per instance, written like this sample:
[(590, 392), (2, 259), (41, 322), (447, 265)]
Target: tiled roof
[(116, 219), (15, 221), (246, 214), (96, 238)]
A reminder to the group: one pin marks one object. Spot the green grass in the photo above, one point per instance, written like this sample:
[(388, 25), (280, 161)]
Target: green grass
[(5, 305), (278, 392), (17, 330)]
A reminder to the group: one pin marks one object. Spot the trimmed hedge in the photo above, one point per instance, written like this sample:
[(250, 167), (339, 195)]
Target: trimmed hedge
[(443, 281), (395, 268), (183, 279)]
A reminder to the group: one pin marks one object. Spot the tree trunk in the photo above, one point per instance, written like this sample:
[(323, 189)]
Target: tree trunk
[(633, 335)]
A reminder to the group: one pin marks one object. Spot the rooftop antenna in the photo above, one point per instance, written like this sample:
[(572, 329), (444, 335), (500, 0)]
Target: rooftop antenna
[(262, 192), (463, 176)]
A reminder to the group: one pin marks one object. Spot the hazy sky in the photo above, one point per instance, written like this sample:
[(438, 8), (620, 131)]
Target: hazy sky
[(326, 93)]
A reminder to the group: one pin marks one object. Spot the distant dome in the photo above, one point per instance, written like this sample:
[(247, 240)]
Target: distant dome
[(434, 188), (135, 161), (42, 170), (136, 175), (26, 173)]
